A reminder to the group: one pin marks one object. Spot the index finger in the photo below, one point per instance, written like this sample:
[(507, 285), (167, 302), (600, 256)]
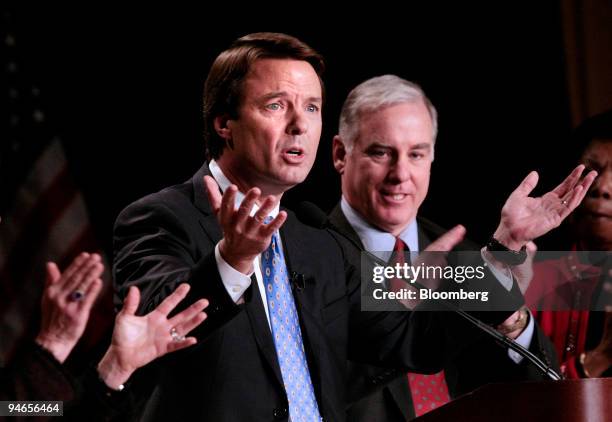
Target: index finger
[(578, 193), (76, 265), (274, 225), (171, 301), (448, 240), (569, 182)]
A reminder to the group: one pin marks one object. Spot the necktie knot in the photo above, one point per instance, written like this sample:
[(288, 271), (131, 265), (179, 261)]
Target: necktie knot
[(401, 252), (400, 246)]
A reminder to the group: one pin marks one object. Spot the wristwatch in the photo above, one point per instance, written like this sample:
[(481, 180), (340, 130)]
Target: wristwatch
[(505, 255)]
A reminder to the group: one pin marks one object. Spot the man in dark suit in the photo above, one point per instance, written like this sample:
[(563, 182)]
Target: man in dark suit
[(284, 311), (384, 152)]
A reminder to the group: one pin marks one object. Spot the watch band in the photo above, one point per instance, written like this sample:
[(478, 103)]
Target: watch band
[(505, 255)]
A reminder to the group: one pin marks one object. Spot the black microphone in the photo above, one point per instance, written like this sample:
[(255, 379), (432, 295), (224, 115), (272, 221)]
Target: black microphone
[(311, 215), (298, 280), (308, 213)]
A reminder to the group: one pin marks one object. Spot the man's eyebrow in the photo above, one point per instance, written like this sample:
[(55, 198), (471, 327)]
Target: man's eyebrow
[(422, 145), (274, 94), (378, 144), (314, 100), (281, 94)]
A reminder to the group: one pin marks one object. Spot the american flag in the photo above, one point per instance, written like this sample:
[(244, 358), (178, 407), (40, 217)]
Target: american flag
[(44, 217)]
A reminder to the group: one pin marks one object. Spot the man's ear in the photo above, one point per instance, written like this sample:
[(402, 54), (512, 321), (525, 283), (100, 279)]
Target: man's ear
[(222, 127), (339, 154)]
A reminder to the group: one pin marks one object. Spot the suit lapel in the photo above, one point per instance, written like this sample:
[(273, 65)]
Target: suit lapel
[(399, 388), (298, 262), (261, 329), (200, 199), (424, 234), (339, 223)]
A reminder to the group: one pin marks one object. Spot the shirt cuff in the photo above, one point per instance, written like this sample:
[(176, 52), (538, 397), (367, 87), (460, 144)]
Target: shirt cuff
[(524, 339), (503, 276), (234, 281)]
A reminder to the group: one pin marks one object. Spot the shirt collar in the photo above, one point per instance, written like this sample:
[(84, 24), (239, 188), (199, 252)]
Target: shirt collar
[(225, 183), (374, 240)]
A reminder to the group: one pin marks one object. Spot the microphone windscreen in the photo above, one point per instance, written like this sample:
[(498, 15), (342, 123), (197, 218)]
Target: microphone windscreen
[(311, 215)]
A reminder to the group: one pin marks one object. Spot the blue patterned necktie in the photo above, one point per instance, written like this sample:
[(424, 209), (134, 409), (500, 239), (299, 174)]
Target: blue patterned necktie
[(288, 336)]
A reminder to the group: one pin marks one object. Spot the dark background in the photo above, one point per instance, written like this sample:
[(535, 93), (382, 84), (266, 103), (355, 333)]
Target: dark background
[(123, 86)]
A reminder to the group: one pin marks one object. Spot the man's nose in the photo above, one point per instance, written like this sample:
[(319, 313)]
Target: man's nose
[(298, 124), (400, 170), (602, 186)]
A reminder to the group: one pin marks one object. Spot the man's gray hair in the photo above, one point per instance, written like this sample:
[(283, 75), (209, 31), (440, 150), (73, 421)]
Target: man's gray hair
[(374, 94)]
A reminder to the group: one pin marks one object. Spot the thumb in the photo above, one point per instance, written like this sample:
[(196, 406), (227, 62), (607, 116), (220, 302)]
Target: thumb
[(532, 249), (52, 274), (213, 192), (130, 304), (527, 185), (448, 240)]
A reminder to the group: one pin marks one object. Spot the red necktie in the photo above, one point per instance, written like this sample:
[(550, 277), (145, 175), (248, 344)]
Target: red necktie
[(428, 391), (398, 257)]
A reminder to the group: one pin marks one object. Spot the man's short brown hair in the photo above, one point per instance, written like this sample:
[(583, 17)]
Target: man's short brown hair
[(223, 87)]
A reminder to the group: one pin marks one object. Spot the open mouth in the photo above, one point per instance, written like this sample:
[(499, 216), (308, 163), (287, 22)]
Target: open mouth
[(294, 155)]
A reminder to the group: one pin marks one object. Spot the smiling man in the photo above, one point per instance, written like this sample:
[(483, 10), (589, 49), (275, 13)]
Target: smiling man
[(384, 153), (387, 162)]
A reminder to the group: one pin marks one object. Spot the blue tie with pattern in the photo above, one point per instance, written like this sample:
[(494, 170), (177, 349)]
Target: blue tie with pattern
[(288, 336)]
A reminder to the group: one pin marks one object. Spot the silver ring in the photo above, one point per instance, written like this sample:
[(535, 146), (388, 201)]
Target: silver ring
[(76, 296), (175, 335)]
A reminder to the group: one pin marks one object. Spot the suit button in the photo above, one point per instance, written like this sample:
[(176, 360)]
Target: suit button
[(280, 412)]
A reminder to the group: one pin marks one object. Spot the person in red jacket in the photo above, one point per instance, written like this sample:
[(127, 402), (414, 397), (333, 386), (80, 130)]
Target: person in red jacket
[(567, 290)]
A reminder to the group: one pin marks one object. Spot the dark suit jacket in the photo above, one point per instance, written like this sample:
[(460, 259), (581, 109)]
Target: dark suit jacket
[(35, 374), (232, 374), (381, 394)]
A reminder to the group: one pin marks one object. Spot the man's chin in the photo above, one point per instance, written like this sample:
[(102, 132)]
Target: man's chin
[(286, 182), (391, 223)]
